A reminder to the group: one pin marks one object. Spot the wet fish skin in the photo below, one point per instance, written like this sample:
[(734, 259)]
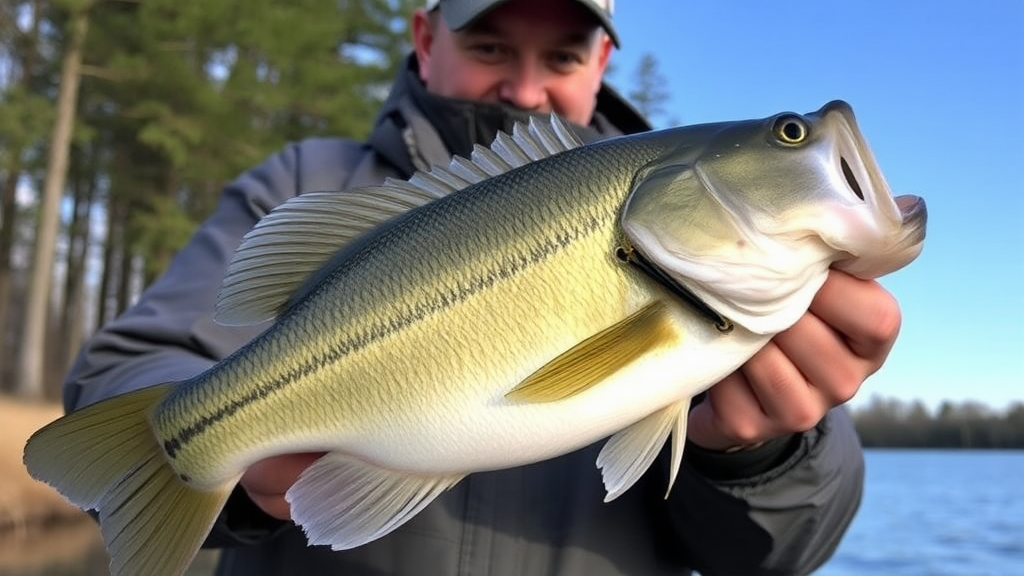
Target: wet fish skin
[(486, 328)]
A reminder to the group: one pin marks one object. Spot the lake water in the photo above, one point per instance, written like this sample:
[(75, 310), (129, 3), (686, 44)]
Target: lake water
[(937, 513)]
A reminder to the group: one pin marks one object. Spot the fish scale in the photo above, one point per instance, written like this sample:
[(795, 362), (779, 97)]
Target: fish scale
[(467, 247), (509, 308)]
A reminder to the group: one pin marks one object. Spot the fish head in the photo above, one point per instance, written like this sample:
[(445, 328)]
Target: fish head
[(749, 215)]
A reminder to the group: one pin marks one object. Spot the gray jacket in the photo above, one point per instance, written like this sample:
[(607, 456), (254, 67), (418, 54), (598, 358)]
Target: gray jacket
[(780, 509)]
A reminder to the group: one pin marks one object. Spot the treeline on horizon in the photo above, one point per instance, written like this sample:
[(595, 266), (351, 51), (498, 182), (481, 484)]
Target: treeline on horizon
[(894, 423)]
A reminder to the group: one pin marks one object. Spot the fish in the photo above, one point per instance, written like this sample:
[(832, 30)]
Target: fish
[(505, 309)]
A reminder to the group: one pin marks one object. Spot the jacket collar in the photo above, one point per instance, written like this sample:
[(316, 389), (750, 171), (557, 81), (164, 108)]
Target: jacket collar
[(417, 128)]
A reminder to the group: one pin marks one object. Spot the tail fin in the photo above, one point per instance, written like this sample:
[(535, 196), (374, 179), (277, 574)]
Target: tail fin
[(105, 457)]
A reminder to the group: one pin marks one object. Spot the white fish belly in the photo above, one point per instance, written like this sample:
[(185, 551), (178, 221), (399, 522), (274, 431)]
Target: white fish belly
[(470, 425), (506, 433)]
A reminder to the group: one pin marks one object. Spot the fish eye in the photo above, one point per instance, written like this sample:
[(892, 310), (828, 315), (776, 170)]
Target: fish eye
[(790, 129)]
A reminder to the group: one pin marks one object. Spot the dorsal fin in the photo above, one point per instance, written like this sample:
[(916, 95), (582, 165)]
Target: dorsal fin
[(296, 238)]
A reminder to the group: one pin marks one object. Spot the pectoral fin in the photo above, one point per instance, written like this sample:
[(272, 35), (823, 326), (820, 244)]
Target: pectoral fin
[(629, 453), (599, 356), (346, 502)]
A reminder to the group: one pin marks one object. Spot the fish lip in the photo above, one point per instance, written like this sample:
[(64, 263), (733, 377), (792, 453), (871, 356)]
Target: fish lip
[(911, 206), (914, 212)]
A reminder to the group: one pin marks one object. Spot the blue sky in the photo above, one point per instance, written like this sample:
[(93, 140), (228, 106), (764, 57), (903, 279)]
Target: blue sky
[(938, 89)]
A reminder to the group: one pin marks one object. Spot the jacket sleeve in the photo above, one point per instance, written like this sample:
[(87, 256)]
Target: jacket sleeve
[(787, 519), (169, 334)]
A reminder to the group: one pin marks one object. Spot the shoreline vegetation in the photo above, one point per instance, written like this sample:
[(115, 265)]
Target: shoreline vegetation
[(41, 534), (894, 423)]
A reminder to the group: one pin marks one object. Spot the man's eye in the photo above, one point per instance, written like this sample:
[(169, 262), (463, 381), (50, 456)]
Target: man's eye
[(488, 52), (565, 61)]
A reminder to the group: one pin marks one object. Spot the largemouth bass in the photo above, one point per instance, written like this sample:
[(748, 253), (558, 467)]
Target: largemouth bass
[(502, 310)]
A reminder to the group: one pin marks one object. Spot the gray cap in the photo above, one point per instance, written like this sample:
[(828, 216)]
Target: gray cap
[(461, 13)]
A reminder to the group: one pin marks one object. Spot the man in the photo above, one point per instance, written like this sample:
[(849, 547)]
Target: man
[(772, 475)]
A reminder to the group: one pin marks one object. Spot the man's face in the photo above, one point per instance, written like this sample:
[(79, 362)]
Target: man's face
[(538, 55)]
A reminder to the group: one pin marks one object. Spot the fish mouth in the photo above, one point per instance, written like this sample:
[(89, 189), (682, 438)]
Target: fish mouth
[(856, 162), (864, 177), (905, 216)]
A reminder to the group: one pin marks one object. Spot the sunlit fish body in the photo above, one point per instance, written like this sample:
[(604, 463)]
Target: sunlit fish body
[(514, 307)]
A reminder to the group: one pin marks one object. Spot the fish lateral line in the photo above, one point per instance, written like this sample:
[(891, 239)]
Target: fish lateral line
[(416, 312)]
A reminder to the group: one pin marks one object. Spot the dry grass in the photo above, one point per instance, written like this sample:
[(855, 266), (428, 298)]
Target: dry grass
[(25, 503), (40, 531), (41, 534)]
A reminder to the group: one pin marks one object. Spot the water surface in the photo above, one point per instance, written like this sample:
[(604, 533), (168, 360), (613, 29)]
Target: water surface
[(937, 513)]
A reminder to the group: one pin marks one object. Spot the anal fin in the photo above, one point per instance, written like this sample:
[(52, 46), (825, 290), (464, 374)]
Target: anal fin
[(598, 357), (345, 502), (630, 452)]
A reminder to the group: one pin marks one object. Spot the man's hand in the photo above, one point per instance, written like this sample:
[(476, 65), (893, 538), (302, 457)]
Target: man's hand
[(817, 364), (267, 480)]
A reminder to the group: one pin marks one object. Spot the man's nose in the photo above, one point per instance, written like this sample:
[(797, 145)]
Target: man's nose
[(524, 88)]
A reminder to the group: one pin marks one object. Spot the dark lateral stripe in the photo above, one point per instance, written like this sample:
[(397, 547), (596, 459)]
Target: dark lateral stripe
[(417, 313)]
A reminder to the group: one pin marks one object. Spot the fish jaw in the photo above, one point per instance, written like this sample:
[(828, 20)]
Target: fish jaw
[(905, 243)]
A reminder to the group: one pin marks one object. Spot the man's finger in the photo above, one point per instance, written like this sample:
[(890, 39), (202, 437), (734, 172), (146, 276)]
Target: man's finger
[(865, 314)]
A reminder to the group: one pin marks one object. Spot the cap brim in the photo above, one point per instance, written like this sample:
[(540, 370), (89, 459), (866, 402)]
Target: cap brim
[(458, 15)]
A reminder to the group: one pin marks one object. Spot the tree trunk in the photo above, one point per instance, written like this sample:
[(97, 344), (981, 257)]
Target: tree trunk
[(108, 275), (78, 248), (7, 226), (8, 212), (124, 288), (30, 373)]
